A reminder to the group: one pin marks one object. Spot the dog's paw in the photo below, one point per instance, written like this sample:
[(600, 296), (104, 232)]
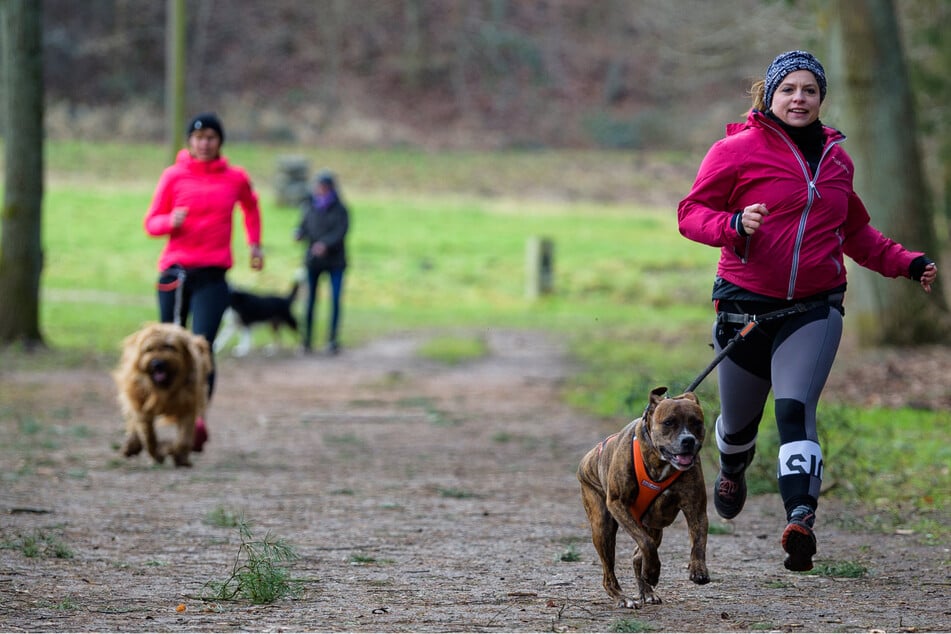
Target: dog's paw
[(131, 446), (650, 598), (627, 602), (163, 449), (179, 453), (698, 574), (646, 592)]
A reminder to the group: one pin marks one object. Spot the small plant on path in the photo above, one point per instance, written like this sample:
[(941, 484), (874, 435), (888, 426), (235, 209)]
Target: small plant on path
[(256, 575), (840, 569), (631, 625), (569, 554)]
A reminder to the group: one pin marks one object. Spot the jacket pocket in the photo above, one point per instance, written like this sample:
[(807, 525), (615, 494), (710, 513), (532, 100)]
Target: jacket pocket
[(743, 255)]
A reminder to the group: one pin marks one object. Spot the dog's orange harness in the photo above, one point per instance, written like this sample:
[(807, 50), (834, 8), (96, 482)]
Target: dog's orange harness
[(648, 489)]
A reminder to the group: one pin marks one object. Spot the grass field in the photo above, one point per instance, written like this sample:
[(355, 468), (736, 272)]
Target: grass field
[(438, 242), (419, 257)]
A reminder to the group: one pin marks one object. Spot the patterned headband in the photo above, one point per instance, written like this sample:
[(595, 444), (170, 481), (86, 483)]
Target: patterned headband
[(790, 62)]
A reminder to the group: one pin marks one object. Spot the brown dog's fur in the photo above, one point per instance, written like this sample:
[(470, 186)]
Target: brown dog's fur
[(163, 373), (670, 434)]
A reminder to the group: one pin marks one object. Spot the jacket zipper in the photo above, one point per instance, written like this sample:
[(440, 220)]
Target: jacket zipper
[(811, 193)]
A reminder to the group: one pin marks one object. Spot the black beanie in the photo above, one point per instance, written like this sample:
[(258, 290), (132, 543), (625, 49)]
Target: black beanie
[(206, 120)]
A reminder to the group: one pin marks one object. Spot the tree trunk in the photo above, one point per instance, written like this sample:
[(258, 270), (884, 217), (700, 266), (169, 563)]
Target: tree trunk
[(331, 24), (21, 251), (882, 139), (174, 77)]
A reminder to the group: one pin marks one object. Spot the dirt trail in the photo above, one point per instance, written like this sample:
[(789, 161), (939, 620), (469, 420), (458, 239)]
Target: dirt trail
[(420, 497)]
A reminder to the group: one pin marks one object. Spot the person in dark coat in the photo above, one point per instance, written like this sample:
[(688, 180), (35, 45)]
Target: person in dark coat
[(324, 225)]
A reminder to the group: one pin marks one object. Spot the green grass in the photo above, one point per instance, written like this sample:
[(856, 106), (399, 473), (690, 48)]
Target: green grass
[(224, 518), (447, 255), (456, 493), (454, 350), (839, 569), (39, 544), (438, 245), (67, 605), (358, 559), (718, 528)]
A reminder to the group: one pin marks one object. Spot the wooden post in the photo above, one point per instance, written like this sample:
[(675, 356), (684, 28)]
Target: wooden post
[(539, 267)]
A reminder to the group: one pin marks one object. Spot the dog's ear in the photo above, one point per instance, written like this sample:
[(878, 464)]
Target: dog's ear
[(690, 396), (190, 355), (657, 395), (130, 347)]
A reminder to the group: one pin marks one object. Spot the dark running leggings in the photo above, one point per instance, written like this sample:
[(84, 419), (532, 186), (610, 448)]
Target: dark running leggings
[(204, 294), (793, 357)]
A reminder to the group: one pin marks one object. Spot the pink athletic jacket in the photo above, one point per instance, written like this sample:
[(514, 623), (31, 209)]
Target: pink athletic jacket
[(798, 250), (210, 190)]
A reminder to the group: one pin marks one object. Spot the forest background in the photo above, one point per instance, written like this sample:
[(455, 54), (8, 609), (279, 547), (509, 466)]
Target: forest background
[(638, 78), (489, 75)]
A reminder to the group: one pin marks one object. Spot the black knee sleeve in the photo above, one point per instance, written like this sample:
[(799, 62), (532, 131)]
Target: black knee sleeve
[(790, 420)]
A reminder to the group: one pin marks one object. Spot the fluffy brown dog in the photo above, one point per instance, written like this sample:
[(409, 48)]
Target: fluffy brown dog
[(615, 492), (163, 373)]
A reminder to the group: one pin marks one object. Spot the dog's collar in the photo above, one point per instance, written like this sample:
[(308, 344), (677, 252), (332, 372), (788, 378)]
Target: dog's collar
[(645, 428)]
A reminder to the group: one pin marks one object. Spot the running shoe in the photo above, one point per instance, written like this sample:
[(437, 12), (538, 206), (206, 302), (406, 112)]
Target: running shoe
[(201, 435), (729, 494), (799, 540)]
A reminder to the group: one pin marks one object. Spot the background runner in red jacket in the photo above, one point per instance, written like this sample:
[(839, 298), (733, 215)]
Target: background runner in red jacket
[(192, 207)]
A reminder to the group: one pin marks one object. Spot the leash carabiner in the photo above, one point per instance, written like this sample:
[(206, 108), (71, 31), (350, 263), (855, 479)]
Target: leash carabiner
[(741, 334)]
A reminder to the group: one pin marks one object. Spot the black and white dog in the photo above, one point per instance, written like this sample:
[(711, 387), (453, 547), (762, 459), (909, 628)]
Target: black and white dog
[(247, 310)]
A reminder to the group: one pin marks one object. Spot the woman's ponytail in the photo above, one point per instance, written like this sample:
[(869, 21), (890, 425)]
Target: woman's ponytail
[(758, 93)]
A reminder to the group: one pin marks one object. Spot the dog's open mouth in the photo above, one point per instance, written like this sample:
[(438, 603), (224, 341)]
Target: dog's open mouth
[(682, 461), (159, 373)]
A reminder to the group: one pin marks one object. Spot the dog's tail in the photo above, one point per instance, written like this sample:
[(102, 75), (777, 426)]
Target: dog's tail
[(300, 276), (293, 294)]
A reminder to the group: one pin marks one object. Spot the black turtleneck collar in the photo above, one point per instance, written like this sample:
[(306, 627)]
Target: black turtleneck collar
[(809, 139)]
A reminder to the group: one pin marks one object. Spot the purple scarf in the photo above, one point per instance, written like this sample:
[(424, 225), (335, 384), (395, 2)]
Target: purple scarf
[(325, 201)]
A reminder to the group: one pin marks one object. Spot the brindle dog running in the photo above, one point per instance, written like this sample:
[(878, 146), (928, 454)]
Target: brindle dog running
[(646, 500)]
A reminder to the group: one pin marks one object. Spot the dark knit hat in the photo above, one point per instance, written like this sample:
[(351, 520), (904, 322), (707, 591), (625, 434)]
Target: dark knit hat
[(206, 120), (789, 62), (325, 177)]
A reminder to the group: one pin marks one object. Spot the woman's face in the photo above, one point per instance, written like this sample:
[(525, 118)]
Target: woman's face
[(796, 100), (205, 144)]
